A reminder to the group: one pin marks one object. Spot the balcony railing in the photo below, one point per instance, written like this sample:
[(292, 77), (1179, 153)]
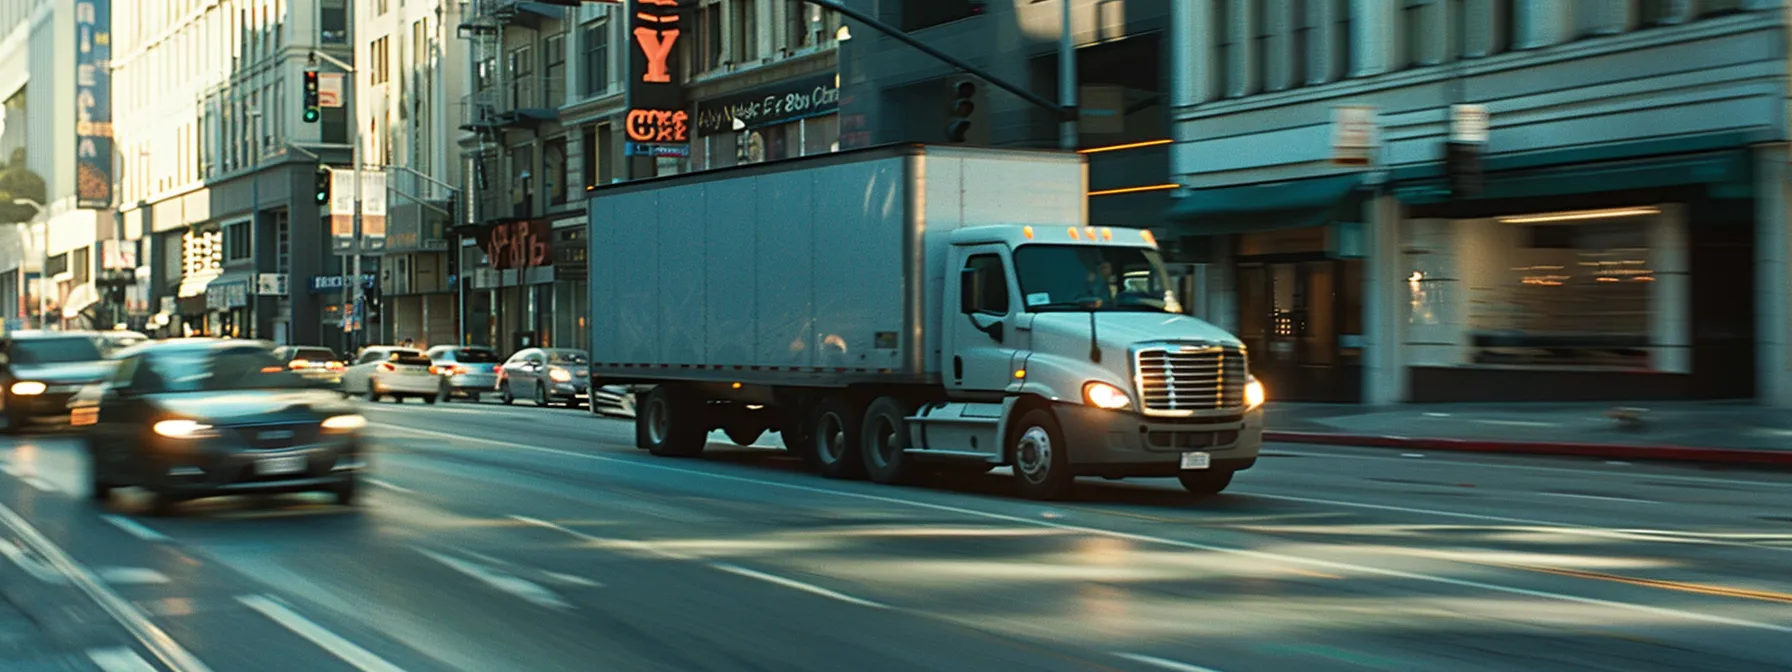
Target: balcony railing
[(523, 101)]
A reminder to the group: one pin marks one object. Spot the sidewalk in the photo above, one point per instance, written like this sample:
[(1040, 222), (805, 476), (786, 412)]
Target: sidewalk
[(1713, 432)]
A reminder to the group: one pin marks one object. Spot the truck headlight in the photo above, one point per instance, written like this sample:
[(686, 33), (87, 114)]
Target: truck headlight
[(1254, 395), (1103, 395)]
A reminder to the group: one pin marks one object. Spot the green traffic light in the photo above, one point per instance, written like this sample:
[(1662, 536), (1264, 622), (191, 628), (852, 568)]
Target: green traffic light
[(310, 116)]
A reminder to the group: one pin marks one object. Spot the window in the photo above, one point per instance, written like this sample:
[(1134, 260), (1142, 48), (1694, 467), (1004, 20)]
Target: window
[(82, 265), (919, 15), (380, 55), (1505, 22), (588, 157), (1222, 48), (1656, 12), (708, 47), (1343, 40), (801, 21), (522, 187), (54, 350), (332, 22), (380, 7), (1413, 34), (1718, 7), (991, 295), (1300, 46), (282, 243), (1260, 46), (744, 43), (555, 52), (597, 57), (606, 149), (237, 244), (553, 159)]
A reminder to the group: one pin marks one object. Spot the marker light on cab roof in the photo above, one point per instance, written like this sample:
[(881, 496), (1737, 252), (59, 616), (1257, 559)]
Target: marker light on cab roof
[(1027, 231), (1074, 235), (1149, 239)]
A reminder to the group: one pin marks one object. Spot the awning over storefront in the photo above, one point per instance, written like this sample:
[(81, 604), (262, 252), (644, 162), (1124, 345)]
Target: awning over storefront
[(1266, 207), (79, 299), (194, 285), (1713, 168)]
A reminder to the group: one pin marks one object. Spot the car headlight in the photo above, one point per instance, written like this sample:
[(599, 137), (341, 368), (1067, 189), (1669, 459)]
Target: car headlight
[(1103, 395), (1254, 395), (183, 429), (560, 375), (344, 423), (28, 388)]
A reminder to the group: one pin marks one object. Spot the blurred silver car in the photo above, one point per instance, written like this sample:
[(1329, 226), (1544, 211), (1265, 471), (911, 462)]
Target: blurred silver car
[(469, 371)]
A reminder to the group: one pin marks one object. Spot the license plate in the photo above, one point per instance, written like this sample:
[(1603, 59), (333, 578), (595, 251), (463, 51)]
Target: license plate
[(1196, 460), (273, 466), (84, 416)]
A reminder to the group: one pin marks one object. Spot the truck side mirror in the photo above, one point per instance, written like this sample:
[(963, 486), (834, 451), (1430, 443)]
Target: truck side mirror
[(970, 289)]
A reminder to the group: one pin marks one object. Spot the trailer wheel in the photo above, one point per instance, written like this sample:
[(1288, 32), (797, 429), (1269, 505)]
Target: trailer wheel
[(832, 442), (884, 437), (668, 424), (1041, 466)]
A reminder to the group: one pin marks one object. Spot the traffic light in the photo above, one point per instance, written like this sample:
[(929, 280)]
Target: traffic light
[(959, 123), (322, 189), (312, 111)]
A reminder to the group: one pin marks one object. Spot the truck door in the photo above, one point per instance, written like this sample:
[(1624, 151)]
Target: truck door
[(982, 330)]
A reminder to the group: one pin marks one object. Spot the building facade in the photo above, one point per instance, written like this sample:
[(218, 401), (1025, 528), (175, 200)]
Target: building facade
[(218, 168), (413, 77), (545, 118), (1611, 223), (56, 146)]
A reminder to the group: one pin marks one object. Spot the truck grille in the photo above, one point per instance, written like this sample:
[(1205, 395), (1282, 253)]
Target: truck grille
[(1178, 380)]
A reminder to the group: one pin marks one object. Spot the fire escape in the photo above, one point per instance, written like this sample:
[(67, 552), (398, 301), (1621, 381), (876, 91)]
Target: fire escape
[(510, 92)]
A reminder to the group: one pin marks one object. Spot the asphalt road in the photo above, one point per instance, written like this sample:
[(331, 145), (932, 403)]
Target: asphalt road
[(517, 538)]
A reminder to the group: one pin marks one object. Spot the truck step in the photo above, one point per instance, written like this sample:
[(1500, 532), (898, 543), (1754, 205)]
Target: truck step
[(960, 420), (968, 454)]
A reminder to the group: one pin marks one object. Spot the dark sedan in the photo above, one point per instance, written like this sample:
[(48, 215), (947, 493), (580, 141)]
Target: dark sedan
[(196, 418), (42, 371)]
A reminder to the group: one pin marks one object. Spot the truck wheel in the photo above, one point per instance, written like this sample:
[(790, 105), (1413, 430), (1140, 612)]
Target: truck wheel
[(1040, 464), (884, 437), (832, 442), (669, 426), (1205, 483)]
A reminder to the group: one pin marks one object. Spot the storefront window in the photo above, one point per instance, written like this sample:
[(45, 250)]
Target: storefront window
[(1579, 290), (821, 134)]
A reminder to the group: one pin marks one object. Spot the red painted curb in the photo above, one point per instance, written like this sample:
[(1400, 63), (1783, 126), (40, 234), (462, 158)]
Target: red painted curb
[(1606, 450)]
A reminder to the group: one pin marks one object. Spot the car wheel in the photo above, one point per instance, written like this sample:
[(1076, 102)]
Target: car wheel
[(373, 395), (162, 504), (99, 489), (345, 493), (506, 396), (541, 395), (431, 398)]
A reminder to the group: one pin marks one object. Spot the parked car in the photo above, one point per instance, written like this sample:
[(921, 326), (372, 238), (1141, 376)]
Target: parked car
[(314, 363), (42, 371), (469, 371), (546, 375), (390, 371), (193, 418)]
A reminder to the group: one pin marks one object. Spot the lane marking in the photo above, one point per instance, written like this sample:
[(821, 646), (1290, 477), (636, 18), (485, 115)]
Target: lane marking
[(1164, 663), (171, 654), (795, 584), (1661, 536), (37, 569), (1143, 538), (389, 486), (39, 483), (119, 659), (1554, 470), (1518, 423), (347, 651), (641, 546), (134, 528), (524, 589), (132, 576), (1603, 498), (1679, 586), (573, 580)]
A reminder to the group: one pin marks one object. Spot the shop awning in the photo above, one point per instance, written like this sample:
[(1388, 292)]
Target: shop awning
[(1265, 207), (194, 285), (79, 299), (1712, 168)]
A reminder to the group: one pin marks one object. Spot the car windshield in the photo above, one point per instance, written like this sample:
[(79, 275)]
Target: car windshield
[(1089, 277), (314, 354), (474, 356), (214, 370), (567, 357), (55, 350)]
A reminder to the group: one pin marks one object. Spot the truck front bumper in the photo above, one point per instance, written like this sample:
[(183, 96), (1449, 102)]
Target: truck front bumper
[(1118, 444)]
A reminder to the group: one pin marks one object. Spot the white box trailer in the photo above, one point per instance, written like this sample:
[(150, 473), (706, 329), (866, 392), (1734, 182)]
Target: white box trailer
[(826, 297)]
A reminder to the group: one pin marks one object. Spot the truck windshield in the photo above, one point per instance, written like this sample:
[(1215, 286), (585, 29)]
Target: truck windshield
[(1092, 277)]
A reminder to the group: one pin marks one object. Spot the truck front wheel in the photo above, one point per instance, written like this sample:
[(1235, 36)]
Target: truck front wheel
[(1041, 465), (833, 439), (669, 423)]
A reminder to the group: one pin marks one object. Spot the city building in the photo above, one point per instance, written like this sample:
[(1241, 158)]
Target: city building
[(1610, 223), (896, 93), (547, 117), (412, 80), (57, 184), (218, 169)]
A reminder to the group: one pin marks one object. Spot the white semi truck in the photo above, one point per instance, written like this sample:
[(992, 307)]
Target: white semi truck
[(898, 310)]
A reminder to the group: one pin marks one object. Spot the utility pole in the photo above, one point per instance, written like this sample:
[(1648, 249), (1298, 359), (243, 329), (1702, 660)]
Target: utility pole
[(351, 286)]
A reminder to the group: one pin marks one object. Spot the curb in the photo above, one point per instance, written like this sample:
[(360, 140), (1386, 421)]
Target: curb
[(1605, 450)]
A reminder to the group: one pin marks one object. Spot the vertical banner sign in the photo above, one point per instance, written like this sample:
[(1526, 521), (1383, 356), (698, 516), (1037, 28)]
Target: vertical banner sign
[(342, 208), (373, 209), (93, 104), (657, 123)]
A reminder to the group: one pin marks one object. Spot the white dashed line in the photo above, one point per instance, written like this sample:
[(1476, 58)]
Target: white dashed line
[(41, 484), (119, 660), (1601, 498), (389, 486), (347, 651), (798, 585), (524, 589), (1164, 663), (134, 528), (127, 576)]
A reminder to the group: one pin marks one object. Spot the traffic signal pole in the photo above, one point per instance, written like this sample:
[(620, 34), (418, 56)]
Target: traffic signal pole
[(1067, 84), (351, 286)]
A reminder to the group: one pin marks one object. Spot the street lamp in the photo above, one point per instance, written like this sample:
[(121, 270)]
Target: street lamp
[(43, 267)]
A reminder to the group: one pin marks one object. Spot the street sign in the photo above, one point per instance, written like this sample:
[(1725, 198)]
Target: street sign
[(270, 284), (329, 89), (1353, 135), (1468, 124)]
